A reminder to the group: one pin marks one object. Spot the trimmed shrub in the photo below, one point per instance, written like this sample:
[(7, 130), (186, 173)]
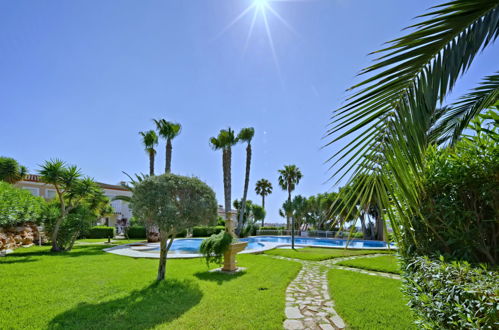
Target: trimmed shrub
[(206, 231), (357, 235), (136, 232), (101, 232), (271, 228), (18, 206), (452, 295)]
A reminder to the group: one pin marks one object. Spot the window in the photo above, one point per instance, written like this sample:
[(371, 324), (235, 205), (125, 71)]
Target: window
[(33, 191), (50, 194)]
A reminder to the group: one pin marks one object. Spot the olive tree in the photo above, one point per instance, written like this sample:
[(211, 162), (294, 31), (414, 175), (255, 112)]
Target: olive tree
[(173, 203)]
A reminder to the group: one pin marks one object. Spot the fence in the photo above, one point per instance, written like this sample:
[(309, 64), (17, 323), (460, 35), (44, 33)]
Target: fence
[(309, 233)]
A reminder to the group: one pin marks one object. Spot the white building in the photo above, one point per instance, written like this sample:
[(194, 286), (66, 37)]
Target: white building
[(122, 212)]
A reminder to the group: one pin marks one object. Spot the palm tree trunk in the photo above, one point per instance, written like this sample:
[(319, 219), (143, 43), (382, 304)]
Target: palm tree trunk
[(363, 223), (163, 252), (292, 221), (245, 191), (226, 161), (168, 158), (151, 163), (263, 202)]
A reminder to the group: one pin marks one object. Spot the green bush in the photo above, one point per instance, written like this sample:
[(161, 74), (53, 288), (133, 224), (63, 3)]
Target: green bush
[(78, 221), (271, 228), (18, 206), (452, 295), (213, 247), (357, 235), (205, 231), (460, 203), (101, 232), (136, 232)]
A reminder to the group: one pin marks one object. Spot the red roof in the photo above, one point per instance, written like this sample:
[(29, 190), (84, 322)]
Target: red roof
[(36, 178)]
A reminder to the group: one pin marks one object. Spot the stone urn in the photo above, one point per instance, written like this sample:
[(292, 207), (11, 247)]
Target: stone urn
[(230, 256)]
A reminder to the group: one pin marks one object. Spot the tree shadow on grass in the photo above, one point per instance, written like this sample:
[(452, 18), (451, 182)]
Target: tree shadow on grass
[(218, 277), (75, 252), (16, 261), (142, 309)]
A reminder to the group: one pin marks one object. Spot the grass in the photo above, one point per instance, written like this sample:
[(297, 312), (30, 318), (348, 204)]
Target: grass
[(387, 264), (369, 302), (90, 289), (317, 254), (113, 241)]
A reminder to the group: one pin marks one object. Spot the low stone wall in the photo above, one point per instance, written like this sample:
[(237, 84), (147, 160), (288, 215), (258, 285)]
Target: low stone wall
[(22, 235)]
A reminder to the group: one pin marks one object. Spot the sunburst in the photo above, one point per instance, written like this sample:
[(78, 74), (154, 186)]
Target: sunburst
[(262, 8)]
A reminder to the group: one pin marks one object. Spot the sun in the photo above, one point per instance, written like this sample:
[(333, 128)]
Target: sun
[(262, 9), (260, 4)]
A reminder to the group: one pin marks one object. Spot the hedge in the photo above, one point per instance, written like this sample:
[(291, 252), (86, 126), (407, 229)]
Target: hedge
[(101, 232), (451, 295), (136, 232), (271, 228), (205, 231)]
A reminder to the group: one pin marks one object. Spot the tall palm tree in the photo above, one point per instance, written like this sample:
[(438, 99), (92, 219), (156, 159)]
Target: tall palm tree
[(245, 135), (168, 131), (263, 188), (399, 109), (150, 141), (225, 140), (289, 177)]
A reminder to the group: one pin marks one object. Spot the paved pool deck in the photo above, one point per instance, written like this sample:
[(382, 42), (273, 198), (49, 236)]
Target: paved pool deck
[(150, 250)]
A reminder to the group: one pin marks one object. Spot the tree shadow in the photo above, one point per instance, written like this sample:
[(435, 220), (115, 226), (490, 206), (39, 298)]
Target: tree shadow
[(142, 309), (218, 277), (16, 261), (75, 252)]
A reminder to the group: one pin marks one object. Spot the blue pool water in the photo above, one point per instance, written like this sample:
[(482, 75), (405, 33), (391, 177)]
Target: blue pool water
[(191, 245), (329, 242)]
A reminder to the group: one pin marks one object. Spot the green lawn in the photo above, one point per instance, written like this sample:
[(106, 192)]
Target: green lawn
[(317, 254), (369, 302), (90, 289), (387, 264), (113, 241)]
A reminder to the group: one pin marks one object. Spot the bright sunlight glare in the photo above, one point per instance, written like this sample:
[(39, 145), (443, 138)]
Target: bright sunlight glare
[(262, 8)]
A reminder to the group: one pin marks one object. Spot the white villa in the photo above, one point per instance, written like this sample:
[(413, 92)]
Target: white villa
[(122, 212)]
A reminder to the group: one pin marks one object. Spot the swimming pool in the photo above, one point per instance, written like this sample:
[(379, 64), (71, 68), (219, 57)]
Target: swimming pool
[(189, 247)]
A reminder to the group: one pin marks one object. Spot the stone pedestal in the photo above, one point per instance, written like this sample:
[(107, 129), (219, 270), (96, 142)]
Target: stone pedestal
[(230, 256)]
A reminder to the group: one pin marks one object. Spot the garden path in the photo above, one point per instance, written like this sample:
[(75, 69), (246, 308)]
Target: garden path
[(308, 303)]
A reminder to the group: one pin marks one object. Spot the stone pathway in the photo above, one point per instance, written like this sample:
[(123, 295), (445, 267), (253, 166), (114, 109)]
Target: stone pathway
[(308, 304)]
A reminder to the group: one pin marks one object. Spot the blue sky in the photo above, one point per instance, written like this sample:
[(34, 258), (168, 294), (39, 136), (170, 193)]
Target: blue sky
[(80, 79)]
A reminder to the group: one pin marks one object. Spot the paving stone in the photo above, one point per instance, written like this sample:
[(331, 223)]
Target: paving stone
[(338, 322), (293, 325), (293, 313)]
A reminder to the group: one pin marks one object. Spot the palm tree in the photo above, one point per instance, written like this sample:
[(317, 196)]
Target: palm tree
[(263, 188), (398, 110), (289, 177), (150, 140), (225, 140), (11, 171), (245, 135), (70, 189), (168, 131)]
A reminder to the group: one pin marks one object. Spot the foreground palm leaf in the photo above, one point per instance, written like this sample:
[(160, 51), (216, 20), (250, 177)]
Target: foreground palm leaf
[(396, 112)]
